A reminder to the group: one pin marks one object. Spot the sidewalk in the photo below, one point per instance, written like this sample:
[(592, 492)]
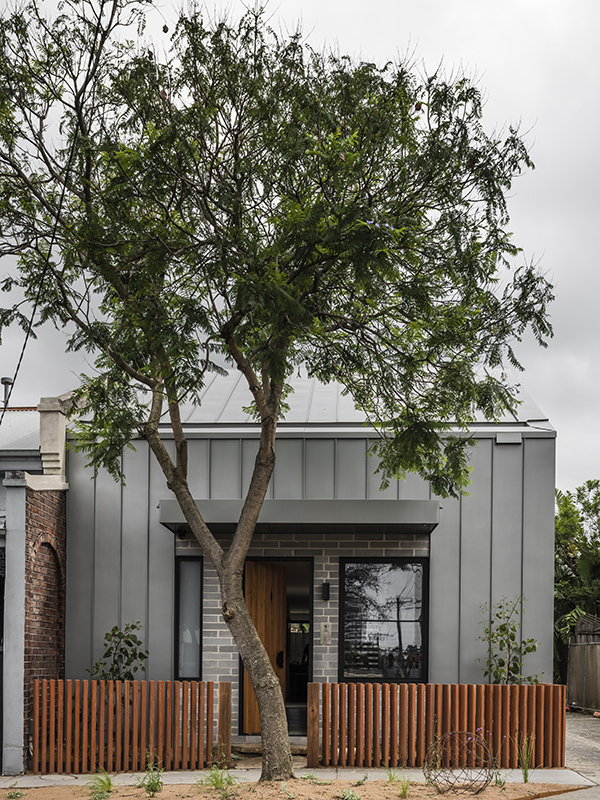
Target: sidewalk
[(561, 776)]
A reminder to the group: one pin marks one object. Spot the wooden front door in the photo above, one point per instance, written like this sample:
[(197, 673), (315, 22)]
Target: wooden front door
[(265, 589)]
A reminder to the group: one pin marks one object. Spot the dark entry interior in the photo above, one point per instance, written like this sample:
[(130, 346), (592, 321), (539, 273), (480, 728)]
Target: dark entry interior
[(279, 600)]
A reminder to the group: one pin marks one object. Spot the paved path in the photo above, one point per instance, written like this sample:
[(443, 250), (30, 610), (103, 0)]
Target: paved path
[(582, 762)]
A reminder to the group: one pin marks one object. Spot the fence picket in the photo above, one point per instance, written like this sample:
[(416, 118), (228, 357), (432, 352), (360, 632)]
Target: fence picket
[(394, 730), (343, 726), (210, 712), (334, 725), (360, 721), (193, 724), (201, 724), (85, 715), (60, 728), (351, 724)]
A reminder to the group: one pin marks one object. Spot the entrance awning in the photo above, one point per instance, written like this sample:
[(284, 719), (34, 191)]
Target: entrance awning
[(404, 516)]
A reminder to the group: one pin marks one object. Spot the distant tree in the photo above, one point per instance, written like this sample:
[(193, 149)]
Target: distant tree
[(576, 565), (243, 197)]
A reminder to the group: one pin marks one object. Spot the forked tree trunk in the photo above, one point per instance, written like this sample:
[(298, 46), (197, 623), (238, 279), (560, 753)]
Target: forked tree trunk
[(276, 755)]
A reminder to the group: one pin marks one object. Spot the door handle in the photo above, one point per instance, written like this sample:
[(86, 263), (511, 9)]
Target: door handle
[(279, 659)]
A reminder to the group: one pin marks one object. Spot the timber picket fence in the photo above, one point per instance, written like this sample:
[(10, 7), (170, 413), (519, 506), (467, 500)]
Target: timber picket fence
[(372, 725), (85, 726)]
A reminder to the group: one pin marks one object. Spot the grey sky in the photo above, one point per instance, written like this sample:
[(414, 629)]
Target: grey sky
[(537, 62)]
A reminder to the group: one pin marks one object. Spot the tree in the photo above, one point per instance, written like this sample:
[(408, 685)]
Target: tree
[(576, 565), (245, 198)]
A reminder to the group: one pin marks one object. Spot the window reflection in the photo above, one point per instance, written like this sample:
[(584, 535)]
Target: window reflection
[(383, 621)]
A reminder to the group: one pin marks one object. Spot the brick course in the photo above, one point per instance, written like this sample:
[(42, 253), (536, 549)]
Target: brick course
[(45, 574)]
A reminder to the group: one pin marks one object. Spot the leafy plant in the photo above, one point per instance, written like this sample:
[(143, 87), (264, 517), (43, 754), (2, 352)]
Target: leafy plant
[(392, 774), (219, 779), (13, 793), (526, 755), (404, 785), (123, 654), (284, 789), (506, 648), (151, 781), (100, 786), (348, 794)]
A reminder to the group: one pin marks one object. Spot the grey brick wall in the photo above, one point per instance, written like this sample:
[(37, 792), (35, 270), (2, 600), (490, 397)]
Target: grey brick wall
[(220, 661)]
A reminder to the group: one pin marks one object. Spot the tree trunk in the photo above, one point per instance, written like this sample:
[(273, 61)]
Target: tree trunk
[(276, 752)]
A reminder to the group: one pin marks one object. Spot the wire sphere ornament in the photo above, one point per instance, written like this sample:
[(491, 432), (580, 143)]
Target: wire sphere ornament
[(459, 762)]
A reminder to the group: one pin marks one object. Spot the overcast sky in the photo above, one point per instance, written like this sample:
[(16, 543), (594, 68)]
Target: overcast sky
[(538, 65)]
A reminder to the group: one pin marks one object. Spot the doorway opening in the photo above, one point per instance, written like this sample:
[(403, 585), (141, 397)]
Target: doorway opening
[(279, 598)]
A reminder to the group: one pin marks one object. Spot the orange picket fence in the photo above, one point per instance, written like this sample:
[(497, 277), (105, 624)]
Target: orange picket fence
[(85, 726), (370, 725)]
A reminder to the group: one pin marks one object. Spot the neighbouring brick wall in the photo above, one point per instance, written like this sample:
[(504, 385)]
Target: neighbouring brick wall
[(44, 591), (220, 660)]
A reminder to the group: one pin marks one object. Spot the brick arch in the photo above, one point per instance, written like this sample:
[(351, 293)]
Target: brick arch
[(45, 631)]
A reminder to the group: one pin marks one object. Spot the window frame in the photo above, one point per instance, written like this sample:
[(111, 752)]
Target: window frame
[(178, 561), (424, 562)]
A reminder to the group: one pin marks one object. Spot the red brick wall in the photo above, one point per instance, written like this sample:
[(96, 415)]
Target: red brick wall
[(44, 590)]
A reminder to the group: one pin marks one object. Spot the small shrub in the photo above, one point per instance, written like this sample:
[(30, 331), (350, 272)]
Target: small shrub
[(100, 786), (152, 781), (348, 794), (506, 648), (14, 793), (123, 655), (392, 774), (217, 778)]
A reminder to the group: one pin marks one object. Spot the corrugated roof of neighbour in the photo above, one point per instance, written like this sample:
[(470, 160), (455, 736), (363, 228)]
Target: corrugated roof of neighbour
[(311, 403), (20, 430)]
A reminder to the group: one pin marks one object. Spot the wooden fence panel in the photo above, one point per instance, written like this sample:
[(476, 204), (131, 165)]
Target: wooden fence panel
[(84, 726), (367, 725)]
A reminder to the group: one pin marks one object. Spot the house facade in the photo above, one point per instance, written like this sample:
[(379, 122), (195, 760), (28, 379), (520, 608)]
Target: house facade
[(345, 582)]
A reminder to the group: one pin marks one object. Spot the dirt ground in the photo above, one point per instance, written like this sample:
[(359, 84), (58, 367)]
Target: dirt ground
[(298, 789)]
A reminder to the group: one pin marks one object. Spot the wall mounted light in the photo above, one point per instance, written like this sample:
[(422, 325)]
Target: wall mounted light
[(326, 590)]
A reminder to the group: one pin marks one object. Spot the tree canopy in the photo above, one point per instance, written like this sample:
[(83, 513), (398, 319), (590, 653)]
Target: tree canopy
[(576, 564), (229, 193), (249, 196)]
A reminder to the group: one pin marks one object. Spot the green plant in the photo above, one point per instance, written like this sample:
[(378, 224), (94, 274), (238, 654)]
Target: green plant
[(217, 777), (310, 776), (526, 755), (152, 781), (404, 785), (506, 648), (13, 793), (392, 774), (362, 780), (497, 776), (100, 786), (123, 654), (348, 794), (291, 795)]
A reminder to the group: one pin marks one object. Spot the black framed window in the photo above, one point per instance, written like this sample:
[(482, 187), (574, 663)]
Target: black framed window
[(188, 655), (383, 620)]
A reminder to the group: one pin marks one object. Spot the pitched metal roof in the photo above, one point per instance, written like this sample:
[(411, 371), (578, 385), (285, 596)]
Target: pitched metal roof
[(314, 403)]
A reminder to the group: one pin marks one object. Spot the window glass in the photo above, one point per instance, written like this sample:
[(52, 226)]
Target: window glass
[(189, 618), (383, 618)]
